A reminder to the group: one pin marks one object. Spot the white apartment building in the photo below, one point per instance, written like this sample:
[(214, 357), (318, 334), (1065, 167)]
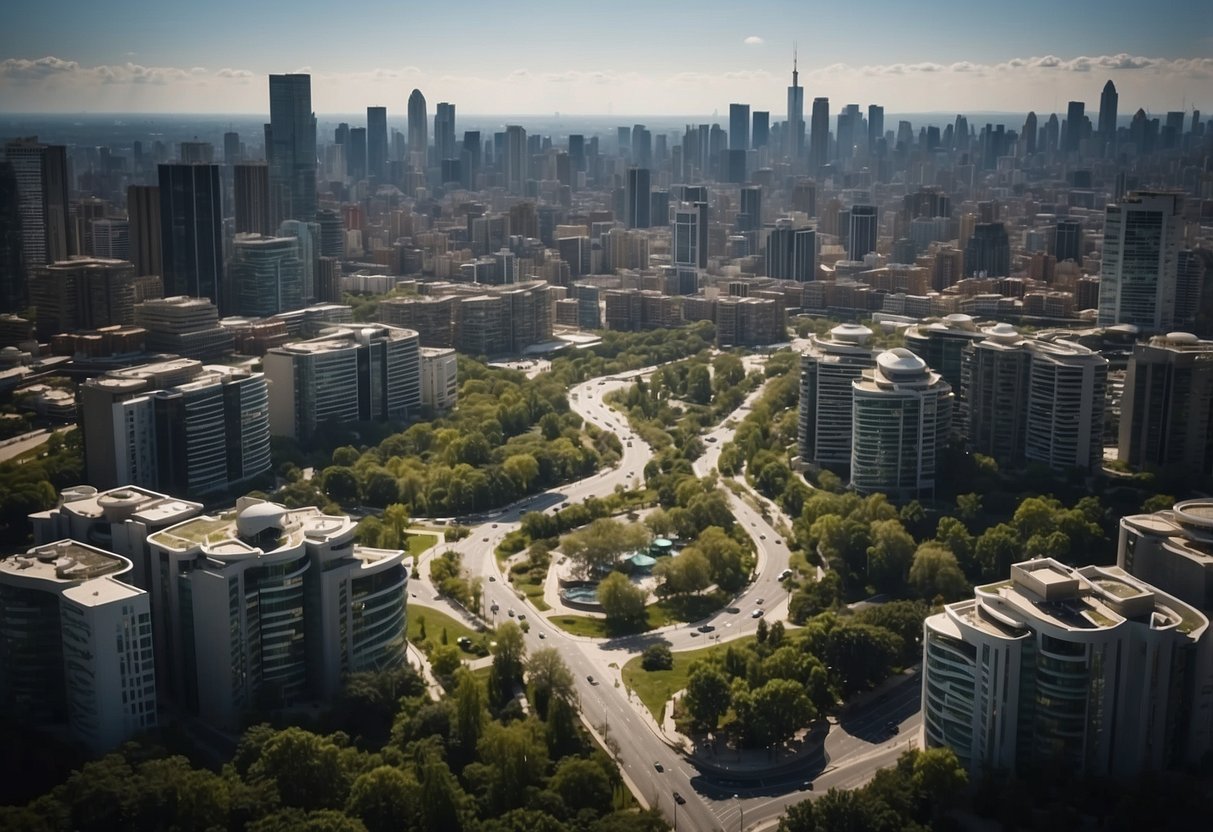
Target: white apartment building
[(1139, 276), (901, 414), (349, 374), (76, 644), (439, 378), (827, 371), (268, 606), (1065, 414), (1089, 669)]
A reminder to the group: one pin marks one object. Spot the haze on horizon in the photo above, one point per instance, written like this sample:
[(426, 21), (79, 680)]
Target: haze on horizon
[(130, 56)]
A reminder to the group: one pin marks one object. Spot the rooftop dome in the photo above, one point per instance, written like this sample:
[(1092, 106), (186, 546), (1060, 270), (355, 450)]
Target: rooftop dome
[(900, 362), (1186, 338), (258, 517), (1003, 332), (851, 333)]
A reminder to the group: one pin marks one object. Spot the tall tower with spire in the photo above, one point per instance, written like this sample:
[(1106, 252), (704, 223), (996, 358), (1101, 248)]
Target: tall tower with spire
[(795, 113), (1107, 112)]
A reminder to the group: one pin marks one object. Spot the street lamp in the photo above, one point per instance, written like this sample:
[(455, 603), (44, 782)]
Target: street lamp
[(675, 798), (740, 808)]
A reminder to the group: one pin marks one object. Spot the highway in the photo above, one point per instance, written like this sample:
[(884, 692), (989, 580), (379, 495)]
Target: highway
[(854, 748)]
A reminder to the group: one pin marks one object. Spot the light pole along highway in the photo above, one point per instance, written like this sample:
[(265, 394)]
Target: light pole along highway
[(653, 769)]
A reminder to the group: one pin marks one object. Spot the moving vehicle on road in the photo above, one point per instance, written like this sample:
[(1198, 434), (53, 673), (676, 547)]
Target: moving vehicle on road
[(679, 799), (757, 614), (659, 766)]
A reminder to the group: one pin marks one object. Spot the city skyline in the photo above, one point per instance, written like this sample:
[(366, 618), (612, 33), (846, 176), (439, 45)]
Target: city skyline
[(125, 60)]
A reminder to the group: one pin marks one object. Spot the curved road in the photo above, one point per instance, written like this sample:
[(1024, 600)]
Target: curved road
[(853, 750)]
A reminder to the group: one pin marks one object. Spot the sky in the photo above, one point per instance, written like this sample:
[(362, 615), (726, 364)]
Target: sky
[(629, 57)]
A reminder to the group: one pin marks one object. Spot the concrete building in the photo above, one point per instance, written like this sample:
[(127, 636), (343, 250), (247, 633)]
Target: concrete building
[(1173, 550), (82, 293), (265, 606), (827, 371), (432, 317), (1092, 671), (439, 378), (1139, 273), (76, 644), (267, 275), (351, 374), (941, 344), (117, 520), (1166, 412), (792, 252), (992, 409), (745, 321), (184, 326), (191, 231), (689, 235), (177, 426), (1066, 386), (40, 175), (901, 414)]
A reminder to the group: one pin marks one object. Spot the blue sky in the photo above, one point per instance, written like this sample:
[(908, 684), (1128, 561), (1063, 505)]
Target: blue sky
[(623, 56)]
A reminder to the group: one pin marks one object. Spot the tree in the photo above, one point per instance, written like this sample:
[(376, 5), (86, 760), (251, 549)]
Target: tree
[(517, 758), (621, 600), (548, 677), (657, 657), (728, 371), (396, 518), (659, 522), (708, 694), (522, 469), (305, 768), (582, 784), (890, 554), (381, 489), (968, 506), (936, 572), (1158, 502), (901, 617), (340, 484), (861, 654), (726, 558), (1036, 516), (445, 659), (955, 535), (699, 384), (780, 709), (384, 797), (997, 548), (508, 657), (470, 711), (939, 776), (600, 545), (687, 572)]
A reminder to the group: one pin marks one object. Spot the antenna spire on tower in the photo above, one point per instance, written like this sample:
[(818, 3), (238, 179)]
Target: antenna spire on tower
[(795, 74)]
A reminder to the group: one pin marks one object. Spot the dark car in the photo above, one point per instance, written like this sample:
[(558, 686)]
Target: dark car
[(706, 628), (679, 799), (892, 727), (659, 766)]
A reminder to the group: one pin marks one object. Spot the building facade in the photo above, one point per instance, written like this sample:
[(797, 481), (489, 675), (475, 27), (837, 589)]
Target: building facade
[(827, 371)]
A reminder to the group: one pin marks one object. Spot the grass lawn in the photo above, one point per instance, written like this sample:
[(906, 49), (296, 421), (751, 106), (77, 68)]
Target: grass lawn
[(582, 625), (419, 542), (655, 687), (661, 614), (435, 622)]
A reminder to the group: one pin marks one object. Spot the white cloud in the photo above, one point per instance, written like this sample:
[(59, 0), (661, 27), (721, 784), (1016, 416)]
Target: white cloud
[(753, 40)]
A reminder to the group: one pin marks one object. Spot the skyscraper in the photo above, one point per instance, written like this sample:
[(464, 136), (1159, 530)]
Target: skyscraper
[(750, 216), (191, 231), (376, 143), (444, 132), (1166, 412), (1066, 386), (819, 138), (795, 125), (791, 252), (143, 212), (1029, 134), (1067, 241), (988, 251), (266, 275), (82, 294), (1108, 100), (40, 171), (12, 263), (827, 370), (252, 198), (865, 222), (639, 202), (1139, 274), (516, 158), (690, 235), (419, 139), (292, 155), (356, 154), (739, 127), (1075, 126), (761, 134), (875, 126)]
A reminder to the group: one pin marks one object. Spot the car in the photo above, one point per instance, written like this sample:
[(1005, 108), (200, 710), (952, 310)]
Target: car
[(778, 542), (486, 540), (659, 766), (522, 616), (706, 628), (492, 579), (590, 679), (629, 443), (757, 614), (892, 727), (464, 642), (495, 607), (785, 574), (541, 635), (511, 612), (694, 634), (494, 525), (710, 439), (679, 799), (759, 601), (762, 537)]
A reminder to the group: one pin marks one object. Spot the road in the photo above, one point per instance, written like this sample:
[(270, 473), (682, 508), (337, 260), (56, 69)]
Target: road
[(853, 750)]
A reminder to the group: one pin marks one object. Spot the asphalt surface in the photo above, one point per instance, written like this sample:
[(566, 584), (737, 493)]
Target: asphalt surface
[(861, 742)]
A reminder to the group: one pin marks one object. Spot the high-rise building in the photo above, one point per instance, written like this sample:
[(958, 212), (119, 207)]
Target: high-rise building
[(191, 231), (232, 151), (269, 604), (1170, 549), (865, 222), (941, 345), (1089, 670), (639, 200), (111, 238), (827, 371), (444, 132), (188, 327), (76, 644), (760, 135), (356, 154), (252, 186), (439, 378), (376, 143), (1029, 134), (819, 138), (988, 251), (515, 165), (1067, 241), (1075, 126), (901, 415), (739, 127), (875, 126), (1065, 415), (419, 140), (12, 258), (1166, 411), (792, 252), (176, 426), (292, 155), (589, 305), (994, 392), (1107, 112), (41, 175), (471, 155), (795, 123), (143, 212), (266, 275), (368, 373), (81, 294), (689, 235), (750, 216), (1140, 267)]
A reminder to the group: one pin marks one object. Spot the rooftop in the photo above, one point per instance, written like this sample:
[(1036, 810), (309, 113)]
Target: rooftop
[(64, 562)]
